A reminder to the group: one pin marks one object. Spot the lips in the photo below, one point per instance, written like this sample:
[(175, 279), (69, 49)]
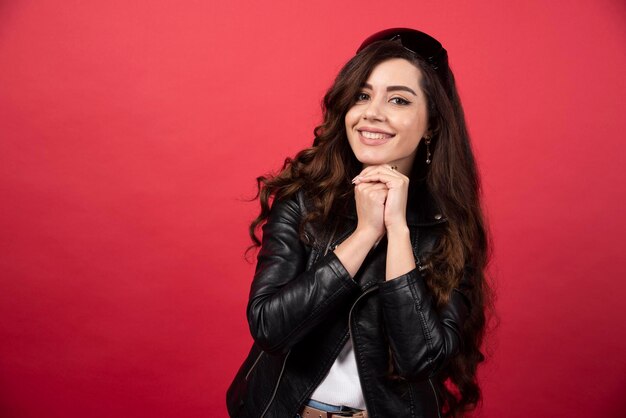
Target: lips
[(374, 136)]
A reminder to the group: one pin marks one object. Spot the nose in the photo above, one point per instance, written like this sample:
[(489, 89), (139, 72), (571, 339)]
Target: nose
[(373, 111)]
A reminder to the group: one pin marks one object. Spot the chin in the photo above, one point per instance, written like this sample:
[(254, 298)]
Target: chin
[(371, 159)]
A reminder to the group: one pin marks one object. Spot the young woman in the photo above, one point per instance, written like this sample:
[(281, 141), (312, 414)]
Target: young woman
[(369, 295)]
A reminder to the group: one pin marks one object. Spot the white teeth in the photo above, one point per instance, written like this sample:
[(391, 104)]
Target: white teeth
[(373, 135)]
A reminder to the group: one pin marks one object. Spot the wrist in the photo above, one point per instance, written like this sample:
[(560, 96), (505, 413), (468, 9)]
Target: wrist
[(397, 231), (367, 235)]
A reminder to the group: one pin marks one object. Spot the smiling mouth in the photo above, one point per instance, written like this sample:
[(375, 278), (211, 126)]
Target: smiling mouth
[(375, 135)]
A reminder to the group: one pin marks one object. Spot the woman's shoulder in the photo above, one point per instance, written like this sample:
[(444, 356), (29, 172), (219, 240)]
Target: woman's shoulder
[(288, 209), (296, 209)]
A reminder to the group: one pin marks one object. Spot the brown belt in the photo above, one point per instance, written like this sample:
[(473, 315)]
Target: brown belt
[(310, 412)]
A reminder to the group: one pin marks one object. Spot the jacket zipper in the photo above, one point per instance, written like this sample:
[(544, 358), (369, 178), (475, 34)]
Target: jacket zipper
[(368, 291), (435, 395), (339, 240), (254, 364), (280, 376)]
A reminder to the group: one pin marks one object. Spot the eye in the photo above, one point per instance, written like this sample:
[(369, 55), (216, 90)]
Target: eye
[(362, 96), (399, 101)]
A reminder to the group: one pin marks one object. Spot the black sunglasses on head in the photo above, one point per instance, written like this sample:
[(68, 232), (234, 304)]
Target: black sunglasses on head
[(419, 43)]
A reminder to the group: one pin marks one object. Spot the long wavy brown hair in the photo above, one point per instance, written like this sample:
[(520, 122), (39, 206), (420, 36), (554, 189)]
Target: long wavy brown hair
[(324, 170)]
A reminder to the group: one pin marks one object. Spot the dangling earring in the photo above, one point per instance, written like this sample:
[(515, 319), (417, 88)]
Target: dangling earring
[(428, 154)]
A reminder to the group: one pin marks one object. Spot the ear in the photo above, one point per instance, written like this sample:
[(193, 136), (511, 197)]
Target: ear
[(433, 130)]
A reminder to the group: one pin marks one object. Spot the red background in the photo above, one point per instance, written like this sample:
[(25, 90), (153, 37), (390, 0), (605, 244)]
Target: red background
[(131, 132)]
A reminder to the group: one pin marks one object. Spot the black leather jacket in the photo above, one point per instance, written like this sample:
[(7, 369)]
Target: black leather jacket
[(304, 306)]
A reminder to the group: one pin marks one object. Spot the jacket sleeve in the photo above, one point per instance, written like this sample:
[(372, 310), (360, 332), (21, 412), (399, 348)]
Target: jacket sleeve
[(421, 337), (286, 301)]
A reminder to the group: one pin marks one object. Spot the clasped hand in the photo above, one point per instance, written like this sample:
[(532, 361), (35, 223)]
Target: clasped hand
[(381, 198)]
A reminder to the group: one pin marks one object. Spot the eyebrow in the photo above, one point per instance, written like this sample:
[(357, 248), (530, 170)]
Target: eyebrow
[(393, 88)]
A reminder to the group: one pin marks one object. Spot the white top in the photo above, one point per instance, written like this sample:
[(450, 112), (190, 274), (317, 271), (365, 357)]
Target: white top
[(341, 386)]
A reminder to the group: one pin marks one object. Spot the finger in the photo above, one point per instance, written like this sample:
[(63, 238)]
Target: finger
[(373, 168), (386, 178), (386, 168), (371, 192), (362, 187), (368, 169)]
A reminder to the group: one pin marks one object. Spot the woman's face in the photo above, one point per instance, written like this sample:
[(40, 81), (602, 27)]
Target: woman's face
[(389, 118)]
